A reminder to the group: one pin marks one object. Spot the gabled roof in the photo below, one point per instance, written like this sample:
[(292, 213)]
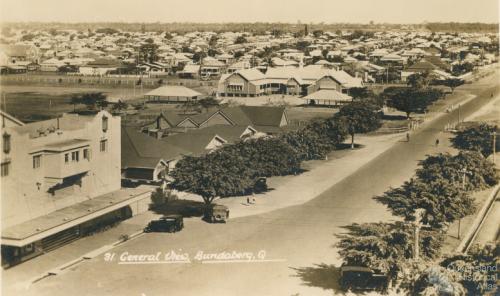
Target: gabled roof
[(173, 91), (203, 117), (422, 66), (191, 143), (328, 94), (190, 69), (141, 150), (255, 115), (391, 57), (212, 63), (250, 74), (437, 61), (230, 133), (345, 79), (237, 116), (105, 62), (280, 62), (172, 117)]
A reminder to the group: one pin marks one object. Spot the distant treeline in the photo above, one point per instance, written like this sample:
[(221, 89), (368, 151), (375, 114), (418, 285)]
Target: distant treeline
[(213, 27), (462, 27), (256, 28)]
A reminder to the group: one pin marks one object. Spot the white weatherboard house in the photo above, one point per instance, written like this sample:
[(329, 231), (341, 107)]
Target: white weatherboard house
[(290, 81), (172, 93)]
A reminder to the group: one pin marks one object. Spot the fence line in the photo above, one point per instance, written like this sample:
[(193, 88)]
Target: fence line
[(104, 80)]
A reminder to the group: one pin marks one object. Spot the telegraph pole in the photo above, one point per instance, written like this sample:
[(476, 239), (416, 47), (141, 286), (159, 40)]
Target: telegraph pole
[(419, 213), (494, 134), (464, 171)]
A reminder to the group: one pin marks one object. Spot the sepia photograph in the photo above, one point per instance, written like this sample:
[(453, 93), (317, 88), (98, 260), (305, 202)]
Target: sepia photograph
[(249, 147)]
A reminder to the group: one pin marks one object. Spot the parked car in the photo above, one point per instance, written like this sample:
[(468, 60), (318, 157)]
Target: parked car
[(217, 213), (358, 278), (169, 223), (260, 185)]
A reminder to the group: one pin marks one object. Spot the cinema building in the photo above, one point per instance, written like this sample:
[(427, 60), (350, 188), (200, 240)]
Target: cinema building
[(60, 180)]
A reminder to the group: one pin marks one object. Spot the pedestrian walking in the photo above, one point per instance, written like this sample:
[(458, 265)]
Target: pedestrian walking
[(437, 142), (407, 137), (248, 200)]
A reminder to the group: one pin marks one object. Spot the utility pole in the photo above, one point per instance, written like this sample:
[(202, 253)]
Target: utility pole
[(416, 254), (419, 213), (494, 134), (464, 171)]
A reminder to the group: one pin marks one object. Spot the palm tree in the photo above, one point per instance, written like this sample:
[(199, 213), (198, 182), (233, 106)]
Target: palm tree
[(118, 106)]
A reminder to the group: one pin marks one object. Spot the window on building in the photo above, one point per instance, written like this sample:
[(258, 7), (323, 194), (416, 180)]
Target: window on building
[(37, 161), (66, 157), (75, 156), (6, 143), (104, 123), (86, 154), (5, 169), (104, 145)]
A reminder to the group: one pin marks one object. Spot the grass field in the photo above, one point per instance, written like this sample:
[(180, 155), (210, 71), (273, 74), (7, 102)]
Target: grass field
[(32, 103), (307, 113)]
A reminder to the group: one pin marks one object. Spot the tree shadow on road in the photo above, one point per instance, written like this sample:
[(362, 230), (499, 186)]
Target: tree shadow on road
[(321, 276), (393, 117), (347, 146), (186, 208)]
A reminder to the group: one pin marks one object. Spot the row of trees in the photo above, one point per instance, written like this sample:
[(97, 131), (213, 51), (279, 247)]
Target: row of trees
[(92, 101), (232, 170), (441, 189), (96, 101), (439, 193)]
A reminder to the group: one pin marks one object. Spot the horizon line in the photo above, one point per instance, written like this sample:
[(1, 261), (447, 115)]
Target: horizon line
[(256, 22)]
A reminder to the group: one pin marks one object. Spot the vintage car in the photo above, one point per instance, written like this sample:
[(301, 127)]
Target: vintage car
[(217, 213), (260, 185), (358, 278), (168, 223)]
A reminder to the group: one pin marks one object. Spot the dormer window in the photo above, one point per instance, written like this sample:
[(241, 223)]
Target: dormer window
[(104, 123), (6, 143)]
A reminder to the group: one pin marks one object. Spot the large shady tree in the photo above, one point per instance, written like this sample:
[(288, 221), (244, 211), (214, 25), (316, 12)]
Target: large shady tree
[(411, 100), (443, 202), (216, 174), (467, 169), (386, 247), (358, 117), (477, 138)]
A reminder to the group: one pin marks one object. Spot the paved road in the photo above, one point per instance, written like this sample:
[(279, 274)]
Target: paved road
[(300, 238)]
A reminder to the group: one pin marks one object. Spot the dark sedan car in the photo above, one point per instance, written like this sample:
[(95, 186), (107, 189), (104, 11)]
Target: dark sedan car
[(169, 223), (358, 278)]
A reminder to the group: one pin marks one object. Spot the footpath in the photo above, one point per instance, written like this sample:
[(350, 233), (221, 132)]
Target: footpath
[(483, 226), (319, 176)]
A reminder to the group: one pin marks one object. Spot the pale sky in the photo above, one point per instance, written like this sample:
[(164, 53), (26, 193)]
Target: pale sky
[(328, 11)]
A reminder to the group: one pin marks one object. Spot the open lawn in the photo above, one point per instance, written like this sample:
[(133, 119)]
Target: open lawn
[(32, 103), (301, 114)]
